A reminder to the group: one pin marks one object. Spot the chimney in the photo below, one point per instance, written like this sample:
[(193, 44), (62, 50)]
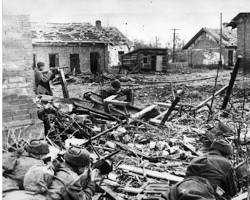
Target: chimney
[(98, 24)]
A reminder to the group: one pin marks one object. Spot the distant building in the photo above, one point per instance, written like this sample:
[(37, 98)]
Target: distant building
[(78, 46), (242, 23), (204, 47), (145, 59)]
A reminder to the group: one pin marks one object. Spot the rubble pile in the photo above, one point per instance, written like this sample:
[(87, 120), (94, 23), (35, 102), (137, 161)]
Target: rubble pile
[(149, 156)]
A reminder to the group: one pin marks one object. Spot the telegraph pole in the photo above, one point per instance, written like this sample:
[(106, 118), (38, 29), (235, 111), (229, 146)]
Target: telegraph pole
[(174, 43), (220, 61), (156, 41)]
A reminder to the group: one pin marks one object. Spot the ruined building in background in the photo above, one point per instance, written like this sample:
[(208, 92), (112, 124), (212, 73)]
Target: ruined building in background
[(146, 59), (242, 23), (78, 45), (19, 110), (204, 47)]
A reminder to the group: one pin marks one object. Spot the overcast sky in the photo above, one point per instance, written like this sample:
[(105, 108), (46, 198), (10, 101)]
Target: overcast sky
[(140, 19)]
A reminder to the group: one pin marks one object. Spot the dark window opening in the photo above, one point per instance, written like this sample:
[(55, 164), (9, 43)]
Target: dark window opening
[(120, 53), (53, 60), (75, 63), (145, 59)]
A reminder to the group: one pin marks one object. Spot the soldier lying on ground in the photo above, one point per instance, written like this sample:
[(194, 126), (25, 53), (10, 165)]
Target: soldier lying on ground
[(115, 89), (208, 177), (74, 179), (16, 164)]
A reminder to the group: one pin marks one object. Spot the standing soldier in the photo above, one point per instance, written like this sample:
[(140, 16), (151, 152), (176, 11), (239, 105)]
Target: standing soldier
[(42, 80)]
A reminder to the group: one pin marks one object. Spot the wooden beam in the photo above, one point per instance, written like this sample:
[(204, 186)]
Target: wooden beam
[(141, 113), (172, 107), (64, 84), (241, 196), (231, 84), (152, 174), (209, 98)]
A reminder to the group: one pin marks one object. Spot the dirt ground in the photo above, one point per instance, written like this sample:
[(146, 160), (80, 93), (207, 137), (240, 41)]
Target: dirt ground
[(150, 88)]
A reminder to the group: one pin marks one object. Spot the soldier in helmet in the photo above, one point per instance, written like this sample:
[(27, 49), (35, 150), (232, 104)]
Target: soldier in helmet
[(74, 179), (208, 177)]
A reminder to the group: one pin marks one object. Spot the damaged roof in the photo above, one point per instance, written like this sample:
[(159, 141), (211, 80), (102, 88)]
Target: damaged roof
[(229, 37), (237, 19), (76, 32)]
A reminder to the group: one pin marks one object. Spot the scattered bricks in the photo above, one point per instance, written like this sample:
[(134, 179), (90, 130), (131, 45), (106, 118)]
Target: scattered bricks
[(21, 117)]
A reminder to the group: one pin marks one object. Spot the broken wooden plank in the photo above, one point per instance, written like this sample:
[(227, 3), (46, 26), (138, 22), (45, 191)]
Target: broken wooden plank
[(209, 98), (111, 100), (231, 83), (152, 174), (241, 196), (110, 192), (141, 113), (175, 102), (64, 84), (191, 148)]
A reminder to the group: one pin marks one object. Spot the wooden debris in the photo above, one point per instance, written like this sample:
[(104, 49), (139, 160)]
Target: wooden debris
[(64, 84), (231, 84), (191, 148), (209, 98), (152, 174), (175, 102), (241, 196), (141, 113)]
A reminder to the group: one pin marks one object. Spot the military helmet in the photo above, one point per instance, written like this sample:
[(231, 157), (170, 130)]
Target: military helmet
[(116, 84), (77, 157), (37, 147), (222, 146)]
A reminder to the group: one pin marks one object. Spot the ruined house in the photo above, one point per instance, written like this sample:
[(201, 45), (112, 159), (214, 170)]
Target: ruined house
[(204, 47), (145, 59), (242, 23), (79, 46)]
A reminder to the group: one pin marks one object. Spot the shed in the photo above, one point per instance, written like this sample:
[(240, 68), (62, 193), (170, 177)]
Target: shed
[(242, 23), (146, 59), (204, 47)]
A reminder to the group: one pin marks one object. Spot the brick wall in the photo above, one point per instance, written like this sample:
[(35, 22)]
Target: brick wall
[(42, 52), (18, 108), (243, 44)]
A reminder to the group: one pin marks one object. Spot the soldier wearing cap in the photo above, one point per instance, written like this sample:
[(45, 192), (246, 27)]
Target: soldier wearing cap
[(115, 89), (74, 180), (16, 167), (42, 80), (208, 177)]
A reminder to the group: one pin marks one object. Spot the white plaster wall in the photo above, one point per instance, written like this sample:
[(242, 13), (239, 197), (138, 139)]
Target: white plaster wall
[(113, 53)]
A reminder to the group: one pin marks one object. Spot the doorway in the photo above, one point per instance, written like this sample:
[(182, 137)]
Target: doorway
[(94, 62), (53, 60), (75, 63)]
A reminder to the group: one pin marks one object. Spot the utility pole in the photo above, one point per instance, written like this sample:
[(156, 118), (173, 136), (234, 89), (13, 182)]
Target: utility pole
[(156, 41), (220, 61), (174, 43)]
